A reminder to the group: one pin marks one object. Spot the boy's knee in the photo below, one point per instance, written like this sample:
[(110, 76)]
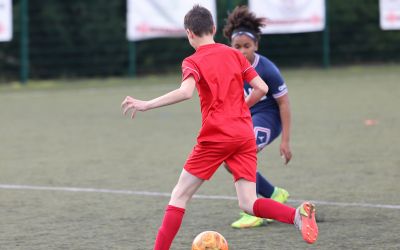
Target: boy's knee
[(177, 193), (246, 206), (180, 195)]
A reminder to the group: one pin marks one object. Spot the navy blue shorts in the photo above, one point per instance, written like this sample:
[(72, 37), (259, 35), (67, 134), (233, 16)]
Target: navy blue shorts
[(267, 126)]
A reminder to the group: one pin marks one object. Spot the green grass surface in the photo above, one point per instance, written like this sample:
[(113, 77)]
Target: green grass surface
[(72, 134)]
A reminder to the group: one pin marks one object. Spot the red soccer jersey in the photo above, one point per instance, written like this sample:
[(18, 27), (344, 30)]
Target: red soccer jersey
[(220, 72)]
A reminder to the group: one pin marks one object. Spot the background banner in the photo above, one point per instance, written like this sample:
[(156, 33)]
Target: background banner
[(389, 14), (290, 16), (160, 18), (5, 20)]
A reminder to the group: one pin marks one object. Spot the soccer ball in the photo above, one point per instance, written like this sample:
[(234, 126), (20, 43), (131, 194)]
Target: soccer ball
[(209, 240)]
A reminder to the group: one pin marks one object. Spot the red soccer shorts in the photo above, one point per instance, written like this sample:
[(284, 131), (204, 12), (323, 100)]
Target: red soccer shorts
[(241, 157)]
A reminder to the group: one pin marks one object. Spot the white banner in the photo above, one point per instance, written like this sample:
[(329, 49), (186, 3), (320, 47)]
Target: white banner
[(160, 18), (389, 14), (5, 20), (290, 16)]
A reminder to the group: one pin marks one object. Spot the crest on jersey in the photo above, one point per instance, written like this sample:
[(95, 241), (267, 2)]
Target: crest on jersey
[(263, 136)]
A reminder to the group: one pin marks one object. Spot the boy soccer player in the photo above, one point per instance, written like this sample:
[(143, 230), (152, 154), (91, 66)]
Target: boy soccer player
[(226, 134)]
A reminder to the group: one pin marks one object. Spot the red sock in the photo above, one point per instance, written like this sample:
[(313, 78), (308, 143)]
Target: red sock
[(170, 225), (270, 209)]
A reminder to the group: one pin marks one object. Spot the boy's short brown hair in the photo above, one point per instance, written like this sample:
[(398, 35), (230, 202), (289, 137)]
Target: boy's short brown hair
[(199, 20)]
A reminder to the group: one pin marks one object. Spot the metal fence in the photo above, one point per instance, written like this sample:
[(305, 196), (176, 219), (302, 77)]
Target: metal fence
[(69, 39)]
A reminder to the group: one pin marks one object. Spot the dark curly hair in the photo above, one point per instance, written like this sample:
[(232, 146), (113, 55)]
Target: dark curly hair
[(243, 19)]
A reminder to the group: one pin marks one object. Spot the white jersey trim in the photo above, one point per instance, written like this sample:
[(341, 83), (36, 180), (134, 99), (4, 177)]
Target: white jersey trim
[(256, 60), (193, 70), (246, 69), (280, 94)]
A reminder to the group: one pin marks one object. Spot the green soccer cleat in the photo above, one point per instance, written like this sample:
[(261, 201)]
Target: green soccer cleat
[(279, 195), (247, 221)]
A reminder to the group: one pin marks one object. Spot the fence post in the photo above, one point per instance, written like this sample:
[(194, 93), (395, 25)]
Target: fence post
[(229, 5), (325, 39), (24, 49)]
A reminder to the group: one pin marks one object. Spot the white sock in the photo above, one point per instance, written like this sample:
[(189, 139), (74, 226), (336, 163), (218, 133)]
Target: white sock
[(297, 219)]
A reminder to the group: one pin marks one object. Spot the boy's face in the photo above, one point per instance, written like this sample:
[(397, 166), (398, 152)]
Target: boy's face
[(246, 46)]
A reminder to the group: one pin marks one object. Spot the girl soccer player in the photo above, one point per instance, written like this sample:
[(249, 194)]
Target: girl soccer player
[(226, 134), (271, 114)]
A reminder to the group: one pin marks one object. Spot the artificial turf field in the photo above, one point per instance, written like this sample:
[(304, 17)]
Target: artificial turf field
[(76, 174)]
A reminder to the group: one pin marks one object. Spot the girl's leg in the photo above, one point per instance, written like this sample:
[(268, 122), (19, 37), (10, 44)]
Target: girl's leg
[(185, 188), (267, 127), (267, 190), (264, 187)]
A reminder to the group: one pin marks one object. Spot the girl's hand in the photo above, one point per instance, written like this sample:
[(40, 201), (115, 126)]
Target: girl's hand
[(285, 152)]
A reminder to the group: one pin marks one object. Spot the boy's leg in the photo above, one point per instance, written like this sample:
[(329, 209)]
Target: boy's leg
[(303, 217), (266, 129), (264, 187), (277, 194), (185, 188), (262, 207), (170, 226)]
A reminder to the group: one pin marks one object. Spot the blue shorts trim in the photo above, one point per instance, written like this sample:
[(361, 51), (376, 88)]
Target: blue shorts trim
[(267, 127)]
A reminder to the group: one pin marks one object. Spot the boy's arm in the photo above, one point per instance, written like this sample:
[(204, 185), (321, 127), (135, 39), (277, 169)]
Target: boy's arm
[(260, 89), (183, 93)]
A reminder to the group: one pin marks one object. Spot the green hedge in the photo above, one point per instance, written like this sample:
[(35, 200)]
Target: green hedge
[(88, 39)]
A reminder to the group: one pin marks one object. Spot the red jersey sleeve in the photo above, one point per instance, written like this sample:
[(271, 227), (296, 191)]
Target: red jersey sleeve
[(190, 69), (248, 72)]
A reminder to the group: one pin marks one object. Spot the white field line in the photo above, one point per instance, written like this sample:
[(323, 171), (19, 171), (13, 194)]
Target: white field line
[(159, 194)]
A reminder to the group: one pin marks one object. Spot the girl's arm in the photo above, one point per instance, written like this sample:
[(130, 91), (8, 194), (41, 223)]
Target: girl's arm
[(285, 113)]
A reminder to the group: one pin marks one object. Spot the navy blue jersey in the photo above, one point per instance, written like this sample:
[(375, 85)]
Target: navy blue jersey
[(272, 76)]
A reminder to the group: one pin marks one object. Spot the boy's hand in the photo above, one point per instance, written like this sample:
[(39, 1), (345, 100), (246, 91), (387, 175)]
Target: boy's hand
[(134, 105)]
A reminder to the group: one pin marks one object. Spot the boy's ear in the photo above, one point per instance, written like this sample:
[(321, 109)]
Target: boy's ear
[(214, 30), (189, 33)]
